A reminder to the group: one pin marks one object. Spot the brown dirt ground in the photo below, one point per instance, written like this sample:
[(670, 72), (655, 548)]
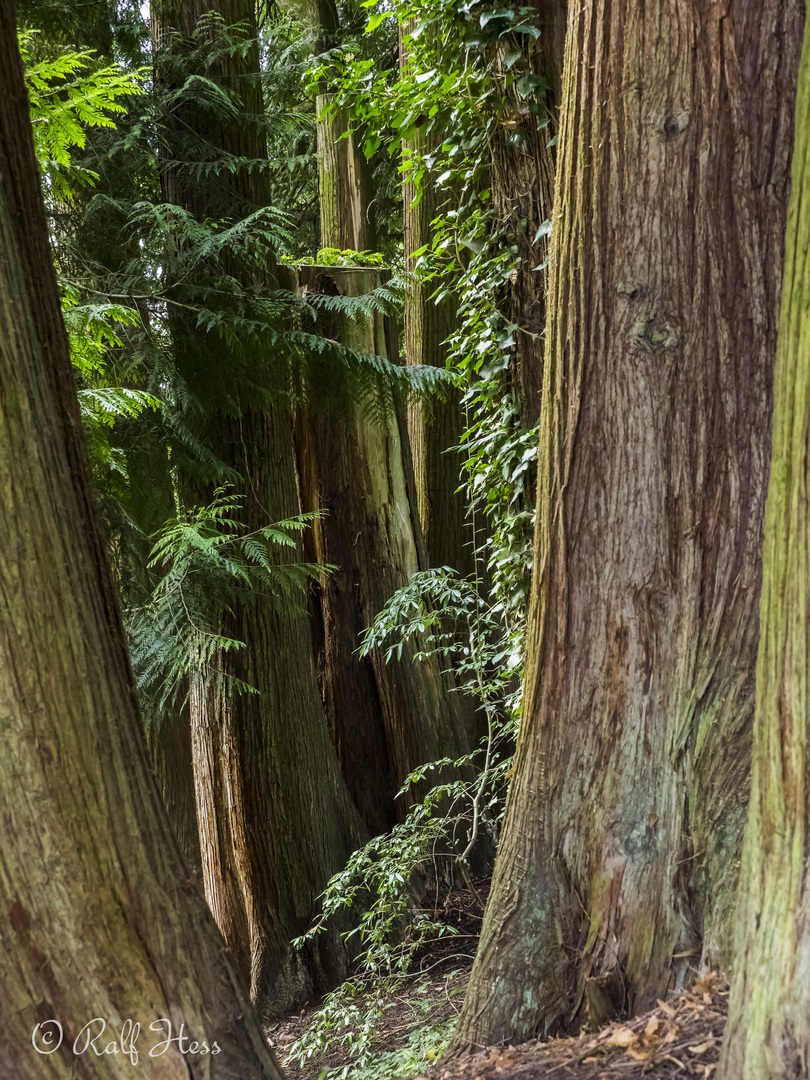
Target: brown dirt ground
[(680, 1038)]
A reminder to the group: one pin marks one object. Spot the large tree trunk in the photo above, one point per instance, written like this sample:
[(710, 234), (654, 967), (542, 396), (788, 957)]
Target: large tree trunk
[(768, 1031), (434, 428), (401, 715), (625, 816), (102, 917), (275, 818), (390, 717), (344, 184), (522, 180)]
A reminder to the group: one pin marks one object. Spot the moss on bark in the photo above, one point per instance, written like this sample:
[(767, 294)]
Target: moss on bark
[(768, 1030)]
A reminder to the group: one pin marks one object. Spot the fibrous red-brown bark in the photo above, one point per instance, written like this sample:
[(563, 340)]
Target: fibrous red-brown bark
[(101, 919), (625, 816), (170, 752), (390, 717)]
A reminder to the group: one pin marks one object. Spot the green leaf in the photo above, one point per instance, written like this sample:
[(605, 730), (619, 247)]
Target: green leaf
[(375, 20), (543, 230)]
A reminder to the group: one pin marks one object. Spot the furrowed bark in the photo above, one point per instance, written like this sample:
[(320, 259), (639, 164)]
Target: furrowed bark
[(344, 175), (344, 184), (402, 715), (170, 753), (625, 816), (768, 1033), (275, 817), (102, 918), (398, 715)]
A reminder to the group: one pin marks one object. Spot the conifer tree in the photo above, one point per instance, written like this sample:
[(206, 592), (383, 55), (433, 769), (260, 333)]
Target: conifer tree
[(275, 818), (767, 1034), (434, 428), (394, 716), (619, 851), (102, 919)]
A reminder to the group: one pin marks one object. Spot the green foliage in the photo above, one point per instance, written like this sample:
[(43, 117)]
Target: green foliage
[(456, 624), (463, 58), (68, 94), (352, 1027), (174, 319), (466, 63), (424, 1047), (379, 879), (208, 565), (95, 332), (336, 257), (453, 622)]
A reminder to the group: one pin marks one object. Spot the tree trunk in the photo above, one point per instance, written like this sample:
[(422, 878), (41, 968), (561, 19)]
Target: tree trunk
[(768, 1034), (344, 175), (398, 715), (275, 818), (102, 917), (522, 181), (435, 428), (170, 751), (344, 185), (625, 815)]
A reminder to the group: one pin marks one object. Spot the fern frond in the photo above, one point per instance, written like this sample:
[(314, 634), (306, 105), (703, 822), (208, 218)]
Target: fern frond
[(208, 566)]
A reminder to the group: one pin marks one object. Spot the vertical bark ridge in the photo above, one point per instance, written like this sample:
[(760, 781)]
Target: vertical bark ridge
[(360, 472), (344, 184), (171, 756), (434, 429), (624, 819), (767, 1035)]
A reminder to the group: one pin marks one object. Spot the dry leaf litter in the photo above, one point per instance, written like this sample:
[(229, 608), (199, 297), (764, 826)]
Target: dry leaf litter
[(679, 1038)]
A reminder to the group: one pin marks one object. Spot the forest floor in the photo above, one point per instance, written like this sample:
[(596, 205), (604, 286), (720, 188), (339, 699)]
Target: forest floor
[(418, 1016), (680, 1038)]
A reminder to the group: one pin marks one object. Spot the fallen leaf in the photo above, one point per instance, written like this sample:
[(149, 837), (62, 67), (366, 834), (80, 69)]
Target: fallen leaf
[(637, 1054), (667, 1010), (623, 1037), (652, 1025), (701, 1048), (705, 983)]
